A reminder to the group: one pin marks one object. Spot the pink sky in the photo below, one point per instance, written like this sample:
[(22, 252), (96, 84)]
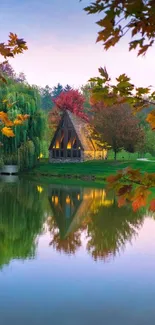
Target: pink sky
[(62, 48)]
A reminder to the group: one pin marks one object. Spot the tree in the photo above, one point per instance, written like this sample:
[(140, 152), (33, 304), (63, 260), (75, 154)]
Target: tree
[(149, 142), (71, 100), (121, 17), (21, 77), (86, 92), (118, 127), (46, 98), (67, 88), (57, 90), (7, 70), (18, 101)]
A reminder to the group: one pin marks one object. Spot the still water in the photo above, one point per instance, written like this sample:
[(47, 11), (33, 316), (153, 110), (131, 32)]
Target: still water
[(70, 256)]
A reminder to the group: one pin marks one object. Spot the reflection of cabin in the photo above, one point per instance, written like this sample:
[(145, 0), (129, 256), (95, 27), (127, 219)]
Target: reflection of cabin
[(72, 141), (72, 205)]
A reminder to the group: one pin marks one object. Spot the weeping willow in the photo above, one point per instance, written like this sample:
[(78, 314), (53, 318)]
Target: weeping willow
[(25, 148)]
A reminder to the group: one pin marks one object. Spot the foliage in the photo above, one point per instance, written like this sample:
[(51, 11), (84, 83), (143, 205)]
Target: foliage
[(57, 90), (7, 70), (86, 92), (17, 102), (48, 94), (46, 98), (124, 184), (123, 91), (13, 47), (1, 162), (148, 145), (67, 88), (121, 17), (53, 120), (71, 100), (117, 127), (10, 49)]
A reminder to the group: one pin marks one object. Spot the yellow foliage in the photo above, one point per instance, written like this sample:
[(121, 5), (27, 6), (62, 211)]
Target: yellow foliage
[(7, 132), (17, 122)]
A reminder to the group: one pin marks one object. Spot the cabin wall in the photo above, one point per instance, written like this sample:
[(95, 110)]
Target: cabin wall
[(65, 160), (95, 155)]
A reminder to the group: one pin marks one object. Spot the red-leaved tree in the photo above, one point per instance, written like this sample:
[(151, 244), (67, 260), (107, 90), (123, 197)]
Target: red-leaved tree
[(72, 101)]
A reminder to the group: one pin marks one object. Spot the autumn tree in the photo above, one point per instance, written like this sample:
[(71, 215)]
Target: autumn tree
[(118, 127), (72, 101)]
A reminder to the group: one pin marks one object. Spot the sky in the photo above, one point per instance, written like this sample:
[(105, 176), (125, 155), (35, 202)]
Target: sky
[(62, 46)]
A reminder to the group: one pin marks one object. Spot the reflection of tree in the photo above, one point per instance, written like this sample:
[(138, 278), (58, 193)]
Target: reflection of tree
[(68, 245), (21, 220), (110, 229)]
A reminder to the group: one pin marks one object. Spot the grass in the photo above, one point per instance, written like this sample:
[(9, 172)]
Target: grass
[(90, 170)]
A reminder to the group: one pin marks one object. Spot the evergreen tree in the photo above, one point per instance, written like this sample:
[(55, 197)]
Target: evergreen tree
[(57, 90), (46, 98)]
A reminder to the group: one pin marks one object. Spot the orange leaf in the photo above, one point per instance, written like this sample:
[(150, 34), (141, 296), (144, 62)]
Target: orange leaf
[(18, 122), (152, 205), (113, 178), (151, 119), (140, 198), (7, 132), (121, 201)]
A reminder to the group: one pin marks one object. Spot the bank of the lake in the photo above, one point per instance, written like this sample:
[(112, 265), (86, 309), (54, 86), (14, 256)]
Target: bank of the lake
[(92, 171)]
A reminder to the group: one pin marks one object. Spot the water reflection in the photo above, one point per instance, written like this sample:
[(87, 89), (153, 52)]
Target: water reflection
[(21, 220), (91, 212), (72, 215)]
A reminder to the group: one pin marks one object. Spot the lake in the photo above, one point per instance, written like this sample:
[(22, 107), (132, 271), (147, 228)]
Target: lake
[(70, 256)]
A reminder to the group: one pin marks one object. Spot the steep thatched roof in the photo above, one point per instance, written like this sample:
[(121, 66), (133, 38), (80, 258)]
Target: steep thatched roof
[(82, 130)]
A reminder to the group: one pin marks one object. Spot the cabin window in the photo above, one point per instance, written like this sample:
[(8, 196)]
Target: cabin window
[(79, 153), (53, 153), (57, 153), (68, 153), (61, 153), (74, 153)]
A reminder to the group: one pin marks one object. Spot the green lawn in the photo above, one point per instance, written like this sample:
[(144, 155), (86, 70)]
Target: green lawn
[(90, 169)]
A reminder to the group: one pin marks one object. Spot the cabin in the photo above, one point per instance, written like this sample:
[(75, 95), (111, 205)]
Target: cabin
[(72, 141)]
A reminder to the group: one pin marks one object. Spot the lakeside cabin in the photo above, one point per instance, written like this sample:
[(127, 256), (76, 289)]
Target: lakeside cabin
[(72, 141)]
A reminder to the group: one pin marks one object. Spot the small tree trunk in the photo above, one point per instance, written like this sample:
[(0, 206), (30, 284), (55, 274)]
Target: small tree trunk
[(115, 155)]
